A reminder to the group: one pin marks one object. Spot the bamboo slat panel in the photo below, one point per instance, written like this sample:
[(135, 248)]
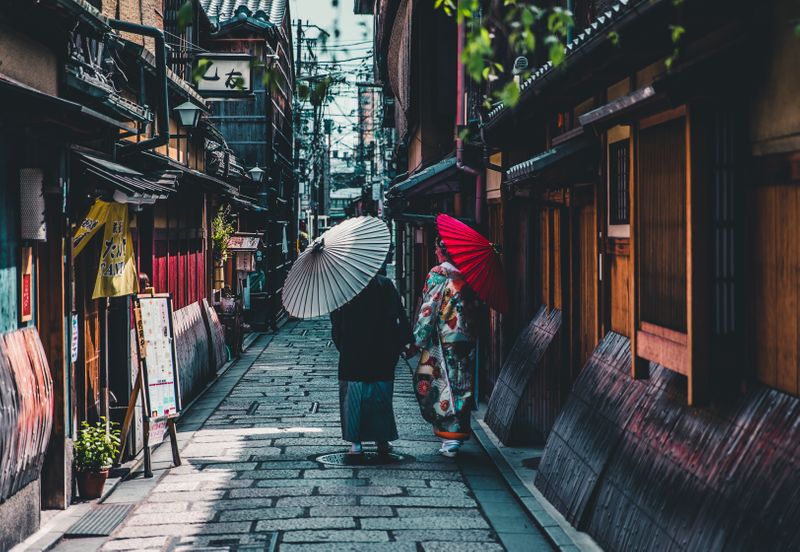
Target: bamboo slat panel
[(192, 350), (636, 468), (522, 400), (216, 333), (26, 409)]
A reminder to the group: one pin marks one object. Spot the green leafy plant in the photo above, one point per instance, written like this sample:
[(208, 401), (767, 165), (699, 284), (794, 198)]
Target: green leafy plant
[(221, 231), (97, 445), (185, 15), (527, 25), (524, 22)]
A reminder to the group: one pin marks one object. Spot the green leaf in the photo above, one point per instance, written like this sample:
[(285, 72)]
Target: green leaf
[(677, 32), (509, 94), (527, 17), (557, 53), (202, 67), (185, 15)]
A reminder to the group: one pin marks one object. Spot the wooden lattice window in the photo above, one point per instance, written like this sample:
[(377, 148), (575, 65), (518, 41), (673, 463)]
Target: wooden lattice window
[(619, 183), (618, 176)]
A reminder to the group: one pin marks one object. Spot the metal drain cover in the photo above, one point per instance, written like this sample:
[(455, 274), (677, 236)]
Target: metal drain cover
[(100, 521), (367, 458)]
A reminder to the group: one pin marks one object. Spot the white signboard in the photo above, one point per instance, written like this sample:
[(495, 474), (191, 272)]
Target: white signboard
[(225, 74), (157, 342)]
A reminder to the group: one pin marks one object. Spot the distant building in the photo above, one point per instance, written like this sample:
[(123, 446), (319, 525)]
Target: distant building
[(340, 199)]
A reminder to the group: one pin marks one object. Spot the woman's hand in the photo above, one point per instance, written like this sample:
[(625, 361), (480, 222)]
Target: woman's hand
[(410, 351)]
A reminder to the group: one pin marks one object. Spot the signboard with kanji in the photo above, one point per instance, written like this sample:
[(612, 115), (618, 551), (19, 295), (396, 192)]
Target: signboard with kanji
[(224, 75)]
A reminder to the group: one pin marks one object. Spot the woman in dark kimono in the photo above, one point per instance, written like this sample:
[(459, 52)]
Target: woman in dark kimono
[(369, 332)]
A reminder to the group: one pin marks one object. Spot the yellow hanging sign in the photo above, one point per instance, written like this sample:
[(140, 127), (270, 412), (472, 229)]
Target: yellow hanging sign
[(95, 218), (116, 273)]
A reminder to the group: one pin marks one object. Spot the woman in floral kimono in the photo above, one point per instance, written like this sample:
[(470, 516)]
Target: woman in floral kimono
[(443, 331)]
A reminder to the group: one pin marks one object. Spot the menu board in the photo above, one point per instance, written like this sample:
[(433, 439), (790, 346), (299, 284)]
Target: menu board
[(157, 353)]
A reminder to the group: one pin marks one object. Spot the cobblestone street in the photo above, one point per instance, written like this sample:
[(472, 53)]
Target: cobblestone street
[(249, 479)]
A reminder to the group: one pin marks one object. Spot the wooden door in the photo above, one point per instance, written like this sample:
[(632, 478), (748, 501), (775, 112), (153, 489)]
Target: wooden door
[(584, 279)]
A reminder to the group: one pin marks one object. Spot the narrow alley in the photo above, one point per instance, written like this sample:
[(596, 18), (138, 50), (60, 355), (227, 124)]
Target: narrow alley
[(249, 479)]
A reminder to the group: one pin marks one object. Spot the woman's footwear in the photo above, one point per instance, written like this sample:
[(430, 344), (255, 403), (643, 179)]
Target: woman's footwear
[(384, 448), (356, 449), (450, 448)]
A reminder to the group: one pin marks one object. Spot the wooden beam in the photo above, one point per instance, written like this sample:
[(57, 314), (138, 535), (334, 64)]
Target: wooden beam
[(640, 368), (698, 257), (670, 354)]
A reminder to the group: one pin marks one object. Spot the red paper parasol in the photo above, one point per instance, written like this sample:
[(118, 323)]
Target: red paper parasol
[(477, 259)]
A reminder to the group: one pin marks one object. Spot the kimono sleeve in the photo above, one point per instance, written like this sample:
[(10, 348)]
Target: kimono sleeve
[(432, 295), (404, 336), (336, 328)]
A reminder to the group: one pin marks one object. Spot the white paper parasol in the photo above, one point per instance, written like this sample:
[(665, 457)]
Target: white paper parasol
[(336, 267)]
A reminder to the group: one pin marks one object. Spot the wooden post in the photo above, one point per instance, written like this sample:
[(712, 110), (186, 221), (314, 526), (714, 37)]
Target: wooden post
[(640, 368), (126, 422), (148, 466), (173, 437)]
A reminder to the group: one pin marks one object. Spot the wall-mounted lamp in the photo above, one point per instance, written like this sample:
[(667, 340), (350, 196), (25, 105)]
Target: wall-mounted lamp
[(256, 174), (189, 114)]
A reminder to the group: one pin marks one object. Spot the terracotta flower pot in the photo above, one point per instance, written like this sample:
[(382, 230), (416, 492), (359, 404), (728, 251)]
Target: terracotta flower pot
[(91, 483)]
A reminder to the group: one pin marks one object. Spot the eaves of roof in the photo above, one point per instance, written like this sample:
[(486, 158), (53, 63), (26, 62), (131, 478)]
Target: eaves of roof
[(534, 167), (618, 16), (428, 174), (86, 12)]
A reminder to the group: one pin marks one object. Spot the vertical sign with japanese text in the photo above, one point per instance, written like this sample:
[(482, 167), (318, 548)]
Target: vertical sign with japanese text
[(26, 285)]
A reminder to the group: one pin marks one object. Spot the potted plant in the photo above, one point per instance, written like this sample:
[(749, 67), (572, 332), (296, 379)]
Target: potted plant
[(95, 450), (227, 300), (222, 229)]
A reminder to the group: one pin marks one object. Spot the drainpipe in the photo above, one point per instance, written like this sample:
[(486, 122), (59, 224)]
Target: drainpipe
[(460, 122), (162, 134)]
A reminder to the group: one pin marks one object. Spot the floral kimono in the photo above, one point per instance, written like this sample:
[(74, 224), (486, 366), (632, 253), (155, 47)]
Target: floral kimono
[(444, 377)]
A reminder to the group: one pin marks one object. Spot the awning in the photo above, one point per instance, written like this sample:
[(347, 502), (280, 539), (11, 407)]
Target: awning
[(621, 109), (246, 202), (18, 96), (206, 181), (539, 166), (435, 179), (130, 186)]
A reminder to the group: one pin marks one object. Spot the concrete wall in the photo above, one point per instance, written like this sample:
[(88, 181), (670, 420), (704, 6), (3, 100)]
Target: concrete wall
[(20, 516), (27, 61)]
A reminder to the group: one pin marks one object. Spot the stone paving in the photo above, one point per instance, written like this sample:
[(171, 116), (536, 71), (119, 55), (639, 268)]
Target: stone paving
[(249, 479)]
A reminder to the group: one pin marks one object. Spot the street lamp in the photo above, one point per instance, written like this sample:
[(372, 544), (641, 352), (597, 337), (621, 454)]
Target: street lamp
[(256, 174), (189, 114)]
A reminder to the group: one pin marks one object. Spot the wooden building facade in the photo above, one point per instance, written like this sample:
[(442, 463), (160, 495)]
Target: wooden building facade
[(259, 128), (643, 193), (88, 113), (637, 196)]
